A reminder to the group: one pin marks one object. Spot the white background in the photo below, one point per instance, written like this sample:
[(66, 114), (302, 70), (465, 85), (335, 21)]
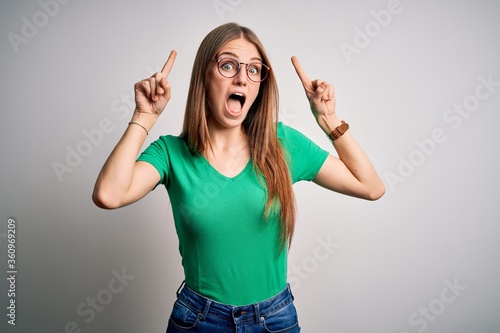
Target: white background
[(69, 69)]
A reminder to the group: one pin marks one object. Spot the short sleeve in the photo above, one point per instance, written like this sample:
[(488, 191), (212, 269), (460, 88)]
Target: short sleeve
[(304, 157), (156, 154)]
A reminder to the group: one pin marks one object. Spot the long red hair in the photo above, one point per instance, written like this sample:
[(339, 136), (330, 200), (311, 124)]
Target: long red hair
[(260, 124)]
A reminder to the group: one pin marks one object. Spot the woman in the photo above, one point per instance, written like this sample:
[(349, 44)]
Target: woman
[(229, 176)]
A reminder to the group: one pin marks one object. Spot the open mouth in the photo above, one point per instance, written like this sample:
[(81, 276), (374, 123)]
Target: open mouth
[(235, 102)]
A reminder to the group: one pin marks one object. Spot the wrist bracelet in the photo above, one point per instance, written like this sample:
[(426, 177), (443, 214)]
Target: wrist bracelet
[(338, 131), (133, 122)]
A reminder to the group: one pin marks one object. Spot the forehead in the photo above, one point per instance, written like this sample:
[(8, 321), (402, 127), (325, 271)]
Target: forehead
[(240, 48)]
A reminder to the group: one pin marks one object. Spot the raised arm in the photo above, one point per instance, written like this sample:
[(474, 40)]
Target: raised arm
[(122, 180), (351, 173)]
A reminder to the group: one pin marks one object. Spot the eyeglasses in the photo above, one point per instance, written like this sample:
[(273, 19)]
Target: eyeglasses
[(229, 68)]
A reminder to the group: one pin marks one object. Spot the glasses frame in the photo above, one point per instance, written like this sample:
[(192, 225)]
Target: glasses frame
[(218, 60)]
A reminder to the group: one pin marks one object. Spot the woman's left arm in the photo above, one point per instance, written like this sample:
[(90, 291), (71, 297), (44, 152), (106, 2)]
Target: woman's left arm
[(351, 173)]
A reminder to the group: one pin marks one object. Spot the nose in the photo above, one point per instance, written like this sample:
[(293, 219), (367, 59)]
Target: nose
[(242, 77)]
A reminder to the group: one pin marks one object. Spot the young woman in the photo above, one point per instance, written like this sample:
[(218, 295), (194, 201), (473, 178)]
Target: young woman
[(229, 176)]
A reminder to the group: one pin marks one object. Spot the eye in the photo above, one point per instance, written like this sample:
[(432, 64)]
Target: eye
[(228, 65), (254, 68)]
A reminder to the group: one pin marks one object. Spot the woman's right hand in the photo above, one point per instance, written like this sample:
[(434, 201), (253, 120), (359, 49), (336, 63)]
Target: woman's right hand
[(152, 94)]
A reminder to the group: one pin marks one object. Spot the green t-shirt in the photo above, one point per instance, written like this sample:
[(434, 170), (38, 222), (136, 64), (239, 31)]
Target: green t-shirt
[(230, 252)]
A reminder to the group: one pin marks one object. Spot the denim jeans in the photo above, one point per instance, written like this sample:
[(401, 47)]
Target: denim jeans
[(193, 312)]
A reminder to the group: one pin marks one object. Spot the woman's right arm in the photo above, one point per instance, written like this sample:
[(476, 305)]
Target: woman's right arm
[(122, 180)]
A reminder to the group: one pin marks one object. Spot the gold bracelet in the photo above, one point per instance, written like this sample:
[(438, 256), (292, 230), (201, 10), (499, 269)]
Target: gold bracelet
[(133, 122)]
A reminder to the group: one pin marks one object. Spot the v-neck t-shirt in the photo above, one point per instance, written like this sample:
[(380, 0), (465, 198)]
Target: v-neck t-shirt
[(230, 251)]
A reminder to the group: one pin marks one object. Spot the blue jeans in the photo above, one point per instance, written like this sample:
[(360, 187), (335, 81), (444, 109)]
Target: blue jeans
[(194, 313)]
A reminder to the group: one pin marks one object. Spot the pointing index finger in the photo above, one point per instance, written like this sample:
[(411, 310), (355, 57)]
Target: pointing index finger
[(300, 72), (169, 63)]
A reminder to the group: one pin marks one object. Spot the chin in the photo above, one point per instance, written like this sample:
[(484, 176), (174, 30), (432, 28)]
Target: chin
[(227, 122)]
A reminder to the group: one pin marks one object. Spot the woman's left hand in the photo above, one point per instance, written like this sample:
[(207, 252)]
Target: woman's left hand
[(320, 93), (352, 172)]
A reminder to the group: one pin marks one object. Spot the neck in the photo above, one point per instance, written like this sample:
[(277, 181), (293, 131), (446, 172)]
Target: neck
[(227, 139), (229, 152)]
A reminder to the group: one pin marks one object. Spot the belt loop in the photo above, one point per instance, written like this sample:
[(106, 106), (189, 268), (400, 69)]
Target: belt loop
[(178, 292), (205, 311), (257, 313), (290, 291)]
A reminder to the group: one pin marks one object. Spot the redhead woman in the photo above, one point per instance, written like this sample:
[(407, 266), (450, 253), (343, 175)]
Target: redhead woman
[(229, 176)]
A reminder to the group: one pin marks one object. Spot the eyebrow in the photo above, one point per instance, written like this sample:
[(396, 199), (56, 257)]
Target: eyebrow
[(236, 56)]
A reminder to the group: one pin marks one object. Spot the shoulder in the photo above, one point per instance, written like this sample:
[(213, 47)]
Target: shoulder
[(164, 154), (290, 137), (163, 148), (173, 139), (282, 130), (304, 157), (169, 143)]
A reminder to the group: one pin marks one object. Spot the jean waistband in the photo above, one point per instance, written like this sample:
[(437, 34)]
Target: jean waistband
[(205, 306)]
